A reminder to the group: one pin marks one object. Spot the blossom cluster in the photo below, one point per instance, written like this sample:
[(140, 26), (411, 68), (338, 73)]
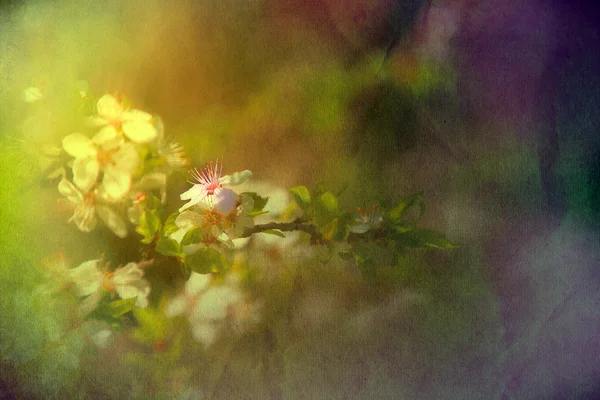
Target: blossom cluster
[(115, 155)]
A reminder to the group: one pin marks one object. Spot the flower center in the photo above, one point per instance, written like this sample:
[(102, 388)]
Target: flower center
[(209, 177), (105, 158)]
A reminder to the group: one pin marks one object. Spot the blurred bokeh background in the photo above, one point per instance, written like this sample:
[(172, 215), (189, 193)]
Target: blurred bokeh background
[(491, 108)]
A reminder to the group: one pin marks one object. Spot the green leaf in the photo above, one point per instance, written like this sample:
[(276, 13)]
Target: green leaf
[(192, 236), (185, 270), (170, 226), (119, 307), (169, 247), (326, 208), (152, 326), (207, 260), (259, 201), (398, 215), (344, 224), (275, 232), (257, 213), (425, 238), (301, 196), (149, 226)]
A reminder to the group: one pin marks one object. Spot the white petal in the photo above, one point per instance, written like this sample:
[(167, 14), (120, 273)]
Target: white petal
[(196, 194), (129, 273), (113, 220), (116, 183), (85, 172), (139, 288), (109, 107), (188, 219), (126, 159), (86, 277), (193, 192), (236, 178), (224, 201), (136, 115), (84, 216), (197, 282), (176, 306), (107, 133), (204, 332), (214, 303), (70, 191), (139, 131), (96, 121), (79, 145)]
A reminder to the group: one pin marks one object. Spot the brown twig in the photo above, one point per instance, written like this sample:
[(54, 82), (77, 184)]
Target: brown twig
[(297, 225)]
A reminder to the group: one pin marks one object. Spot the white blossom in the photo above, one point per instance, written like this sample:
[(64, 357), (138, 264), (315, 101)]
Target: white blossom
[(209, 188), (114, 119)]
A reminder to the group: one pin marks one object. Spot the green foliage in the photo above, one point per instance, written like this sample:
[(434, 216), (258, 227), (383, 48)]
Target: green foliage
[(169, 247), (170, 227), (301, 196), (259, 201), (207, 260), (153, 325), (275, 232), (400, 216), (192, 236)]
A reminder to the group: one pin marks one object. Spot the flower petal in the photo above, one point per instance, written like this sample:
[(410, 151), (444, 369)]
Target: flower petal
[(109, 107), (86, 277), (106, 134), (127, 274), (113, 220), (70, 191), (237, 178), (79, 145), (116, 183), (176, 306), (224, 201), (126, 159), (204, 332), (139, 131), (136, 115), (85, 172), (197, 282), (195, 194), (188, 219)]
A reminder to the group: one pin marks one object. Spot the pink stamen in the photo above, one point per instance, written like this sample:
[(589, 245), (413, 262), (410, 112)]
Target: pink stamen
[(209, 177)]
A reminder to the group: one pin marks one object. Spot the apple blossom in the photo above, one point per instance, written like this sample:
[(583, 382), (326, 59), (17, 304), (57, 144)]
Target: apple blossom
[(114, 119), (116, 161), (209, 188), (86, 207)]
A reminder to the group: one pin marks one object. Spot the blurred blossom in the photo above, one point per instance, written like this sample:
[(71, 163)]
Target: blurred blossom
[(86, 206), (99, 332), (209, 305), (32, 94), (114, 120), (127, 282), (368, 219), (102, 154)]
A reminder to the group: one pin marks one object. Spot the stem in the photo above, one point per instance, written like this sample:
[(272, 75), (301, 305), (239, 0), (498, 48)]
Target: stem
[(296, 225)]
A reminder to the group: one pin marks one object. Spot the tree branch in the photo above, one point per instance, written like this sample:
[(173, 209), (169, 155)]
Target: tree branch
[(296, 225)]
